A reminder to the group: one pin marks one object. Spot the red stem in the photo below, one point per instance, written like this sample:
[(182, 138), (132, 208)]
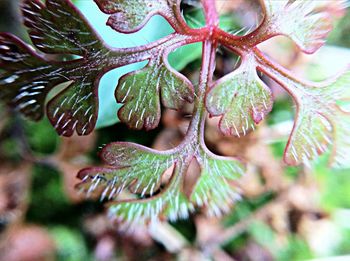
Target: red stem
[(196, 129), (210, 13), (264, 61)]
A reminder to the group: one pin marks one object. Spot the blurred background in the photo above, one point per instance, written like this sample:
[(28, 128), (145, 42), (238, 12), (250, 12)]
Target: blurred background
[(286, 213)]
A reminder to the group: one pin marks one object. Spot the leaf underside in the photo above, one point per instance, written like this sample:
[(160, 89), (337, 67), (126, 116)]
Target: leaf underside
[(33, 76), (128, 16), (306, 22), (241, 99), (139, 170), (321, 123), (141, 91)]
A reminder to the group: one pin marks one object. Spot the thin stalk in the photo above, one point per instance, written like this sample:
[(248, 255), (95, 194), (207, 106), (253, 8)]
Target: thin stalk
[(264, 61), (210, 13), (195, 132)]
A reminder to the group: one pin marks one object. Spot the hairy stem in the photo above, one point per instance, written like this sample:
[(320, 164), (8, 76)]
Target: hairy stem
[(195, 133), (123, 56), (196, 129), (286, 79), (210, 12), (268, 63)]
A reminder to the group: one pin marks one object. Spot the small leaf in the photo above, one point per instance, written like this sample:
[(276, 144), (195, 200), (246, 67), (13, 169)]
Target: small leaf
[(310, 137), (139, 169), (26, 78), (306, 22), (135, 167), (240, 98), (140, 92), (49, 36), (212, 189), (320, 122), (170, 204), (75, 108), (128, 16)]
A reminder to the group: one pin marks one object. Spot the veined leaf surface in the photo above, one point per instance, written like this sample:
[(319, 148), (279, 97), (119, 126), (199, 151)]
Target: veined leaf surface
[(240, 98)]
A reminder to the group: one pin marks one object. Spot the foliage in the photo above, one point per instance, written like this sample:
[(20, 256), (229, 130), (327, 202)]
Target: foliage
[(241, 98)]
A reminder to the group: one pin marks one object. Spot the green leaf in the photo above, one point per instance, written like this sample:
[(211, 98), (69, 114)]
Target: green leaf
[(170, 204), (27, 83), (306, 22), (140, 169), (320, 122), (128, 16), (28, 77), (140, 92), (107, 103), (135, 167), (311, 136), (240, 98), (45, 28), (213, 189)]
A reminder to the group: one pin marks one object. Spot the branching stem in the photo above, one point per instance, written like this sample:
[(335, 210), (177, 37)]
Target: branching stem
[(195, 132), (196, 129)]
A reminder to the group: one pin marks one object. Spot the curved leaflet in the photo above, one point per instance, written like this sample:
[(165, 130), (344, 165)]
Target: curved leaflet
[(240, 98)]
